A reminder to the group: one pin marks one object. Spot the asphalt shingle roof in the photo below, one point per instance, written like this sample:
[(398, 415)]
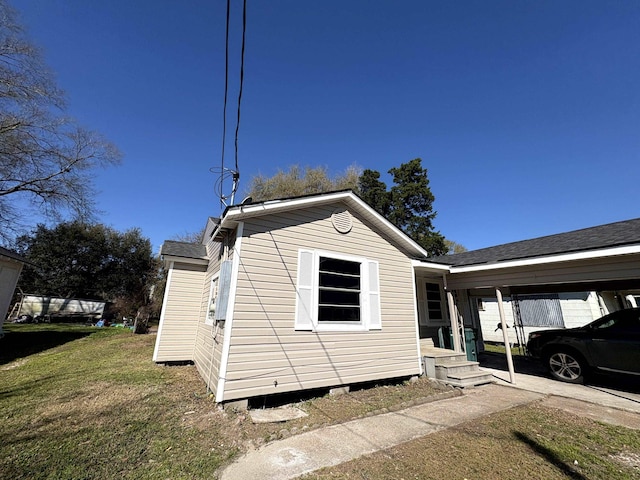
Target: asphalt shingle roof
[(603, 236), (183, 249)]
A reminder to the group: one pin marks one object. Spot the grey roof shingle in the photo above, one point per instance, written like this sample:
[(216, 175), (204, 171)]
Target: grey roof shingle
[(183, 249), (603, 236)]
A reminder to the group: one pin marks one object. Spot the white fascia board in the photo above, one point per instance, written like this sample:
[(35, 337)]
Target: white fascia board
[(240, 212), (566, 257), (434, 267), (169, 259)]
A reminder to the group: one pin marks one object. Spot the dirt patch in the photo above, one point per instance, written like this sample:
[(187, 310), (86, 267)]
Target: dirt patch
[(629, 459), (235, 428), (16, 364)]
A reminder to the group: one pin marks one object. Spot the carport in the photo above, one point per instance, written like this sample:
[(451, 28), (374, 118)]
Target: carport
[(605, 258)]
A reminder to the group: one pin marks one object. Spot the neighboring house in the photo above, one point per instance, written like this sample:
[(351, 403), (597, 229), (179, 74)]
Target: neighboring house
[(10, 267), (321, 291), (527, 313)]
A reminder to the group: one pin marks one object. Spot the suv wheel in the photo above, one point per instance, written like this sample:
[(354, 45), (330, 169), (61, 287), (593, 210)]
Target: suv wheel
[(566, 366)]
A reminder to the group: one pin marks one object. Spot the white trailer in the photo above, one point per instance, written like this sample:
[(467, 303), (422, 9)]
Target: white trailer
[(51, 307)]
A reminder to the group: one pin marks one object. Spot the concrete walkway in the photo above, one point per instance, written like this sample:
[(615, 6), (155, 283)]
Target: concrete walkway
[(592, 393), (325, 447), (299, 454)]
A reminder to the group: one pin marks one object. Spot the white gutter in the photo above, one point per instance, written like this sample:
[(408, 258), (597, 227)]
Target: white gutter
[(439, 267), (567, 257)]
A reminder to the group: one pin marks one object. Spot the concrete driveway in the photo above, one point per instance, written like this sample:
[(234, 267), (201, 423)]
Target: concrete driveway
[(530, 375)]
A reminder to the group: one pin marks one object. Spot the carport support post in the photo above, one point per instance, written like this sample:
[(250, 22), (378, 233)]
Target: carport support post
[(505, 335), (453, 318)]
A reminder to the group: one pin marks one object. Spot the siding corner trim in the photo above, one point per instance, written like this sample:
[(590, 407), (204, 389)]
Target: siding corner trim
[(224, 359)]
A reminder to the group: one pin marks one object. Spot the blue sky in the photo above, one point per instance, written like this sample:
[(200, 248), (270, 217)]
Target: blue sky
[(525, 113)]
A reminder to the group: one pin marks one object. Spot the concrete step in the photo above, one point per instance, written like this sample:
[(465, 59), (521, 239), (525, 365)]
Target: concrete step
[(469, 379), (442, 355), (457, 367)]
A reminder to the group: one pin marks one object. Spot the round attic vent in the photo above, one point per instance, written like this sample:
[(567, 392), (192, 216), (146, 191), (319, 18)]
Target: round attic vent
[(341, 220)]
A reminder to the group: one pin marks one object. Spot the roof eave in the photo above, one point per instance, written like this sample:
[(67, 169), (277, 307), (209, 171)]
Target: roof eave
[(168, 259), (549, 259)]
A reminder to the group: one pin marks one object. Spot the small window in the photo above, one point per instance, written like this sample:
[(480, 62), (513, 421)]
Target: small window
[(338, 290), (434, 302)]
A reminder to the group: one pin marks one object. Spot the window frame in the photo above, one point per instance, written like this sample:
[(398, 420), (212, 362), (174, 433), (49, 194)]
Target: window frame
[(326, 289), (423, 303), (369, 294)]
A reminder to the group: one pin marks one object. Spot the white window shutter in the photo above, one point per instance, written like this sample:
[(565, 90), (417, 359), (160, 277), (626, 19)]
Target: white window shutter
[(375, 320), (304, 290)]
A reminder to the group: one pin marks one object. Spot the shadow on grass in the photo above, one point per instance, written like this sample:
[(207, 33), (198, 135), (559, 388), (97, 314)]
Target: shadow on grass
[(22, 342), (550, 456)]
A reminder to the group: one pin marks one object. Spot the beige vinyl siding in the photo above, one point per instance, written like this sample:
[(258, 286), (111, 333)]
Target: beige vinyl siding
[(208, 343), (180, 315), (268, 356)]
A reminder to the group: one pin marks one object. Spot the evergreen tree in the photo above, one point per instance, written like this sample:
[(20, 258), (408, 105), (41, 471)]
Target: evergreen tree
[(408, 205)]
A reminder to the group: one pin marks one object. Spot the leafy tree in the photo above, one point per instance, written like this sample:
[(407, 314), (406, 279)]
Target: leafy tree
[(453, 247), (297, 181), (46, 160), (408, 205), (76, 259)]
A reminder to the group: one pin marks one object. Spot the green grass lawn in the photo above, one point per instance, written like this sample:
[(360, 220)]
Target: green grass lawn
[(89, 403), (497, 348), (85, 403)]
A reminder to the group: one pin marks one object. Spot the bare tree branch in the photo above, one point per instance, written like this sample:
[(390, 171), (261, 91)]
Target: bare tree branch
[(46, 160)]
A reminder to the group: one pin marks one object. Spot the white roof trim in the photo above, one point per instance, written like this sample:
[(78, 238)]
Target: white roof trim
[(565, 257), (430, 266), (174, 258), (239, 212)]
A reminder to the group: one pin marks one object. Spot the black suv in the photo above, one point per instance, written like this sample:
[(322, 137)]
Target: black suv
[(610, 344)]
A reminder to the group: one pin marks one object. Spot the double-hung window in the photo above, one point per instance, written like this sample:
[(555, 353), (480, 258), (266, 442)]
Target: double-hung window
[(336, 292)]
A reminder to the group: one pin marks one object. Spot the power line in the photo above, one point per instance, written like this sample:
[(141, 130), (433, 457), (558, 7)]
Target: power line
[(224, 173), (244, 31), (224, 108)]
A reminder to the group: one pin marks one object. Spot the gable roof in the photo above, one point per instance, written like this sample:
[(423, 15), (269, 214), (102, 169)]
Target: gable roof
[(611, 235), (183, 250), (237, 213)]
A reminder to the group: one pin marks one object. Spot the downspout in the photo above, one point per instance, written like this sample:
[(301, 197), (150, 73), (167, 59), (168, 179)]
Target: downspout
[(505, 335)]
